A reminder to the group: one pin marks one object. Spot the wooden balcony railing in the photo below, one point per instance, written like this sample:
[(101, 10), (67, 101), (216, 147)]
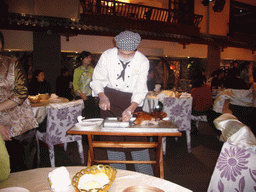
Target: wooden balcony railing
[(114, 11)]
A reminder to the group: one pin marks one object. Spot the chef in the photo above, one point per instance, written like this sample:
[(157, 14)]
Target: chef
[(120, 81)]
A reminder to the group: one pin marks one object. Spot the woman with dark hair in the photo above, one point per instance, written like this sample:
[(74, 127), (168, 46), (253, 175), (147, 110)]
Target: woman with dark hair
[(202, 99), (38, 84), (17, 121), (81, 84)]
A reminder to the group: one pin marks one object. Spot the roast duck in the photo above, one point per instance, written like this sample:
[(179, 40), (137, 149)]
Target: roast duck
[(143, 118)]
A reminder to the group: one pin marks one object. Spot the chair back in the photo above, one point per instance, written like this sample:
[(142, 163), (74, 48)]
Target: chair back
[(237, 97), (60, 118), (242, 97), (235, 170), (179, 110)]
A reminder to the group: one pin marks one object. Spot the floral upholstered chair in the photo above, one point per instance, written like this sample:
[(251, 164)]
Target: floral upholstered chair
[(60, 118), (179, 110), (235, 169)]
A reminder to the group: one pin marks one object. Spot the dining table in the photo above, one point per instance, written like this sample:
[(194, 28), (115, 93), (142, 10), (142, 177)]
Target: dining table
[(170, 129), (36, 180), (40, 109)]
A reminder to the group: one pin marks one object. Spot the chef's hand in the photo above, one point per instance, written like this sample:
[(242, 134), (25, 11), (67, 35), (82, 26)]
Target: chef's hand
[(6, 135), (104, 103), (127, 114)]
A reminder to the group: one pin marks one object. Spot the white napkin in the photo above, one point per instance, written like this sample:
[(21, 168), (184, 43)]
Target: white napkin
[(60, 180), (79, 119)]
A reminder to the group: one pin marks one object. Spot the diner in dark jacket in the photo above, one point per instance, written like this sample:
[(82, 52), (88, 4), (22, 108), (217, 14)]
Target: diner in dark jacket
[(234, 81), (63, 82), (38, 84)]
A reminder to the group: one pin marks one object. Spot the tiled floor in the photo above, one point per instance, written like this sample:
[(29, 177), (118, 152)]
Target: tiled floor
[(190, 170)]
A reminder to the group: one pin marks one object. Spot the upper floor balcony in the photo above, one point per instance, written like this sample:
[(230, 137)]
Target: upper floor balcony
[(120, 15), (110, 17)]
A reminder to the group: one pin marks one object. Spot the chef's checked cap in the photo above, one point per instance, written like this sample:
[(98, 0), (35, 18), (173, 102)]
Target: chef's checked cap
[(127, 40)]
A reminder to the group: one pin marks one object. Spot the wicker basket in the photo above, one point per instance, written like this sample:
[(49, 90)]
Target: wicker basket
[(108, 170)]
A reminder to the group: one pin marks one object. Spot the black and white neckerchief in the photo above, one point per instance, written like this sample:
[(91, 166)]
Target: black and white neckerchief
[(122, 74)]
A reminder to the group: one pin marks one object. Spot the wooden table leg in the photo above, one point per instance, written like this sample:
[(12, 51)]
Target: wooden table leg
[(89, 160), (90, 151), (159, 159)]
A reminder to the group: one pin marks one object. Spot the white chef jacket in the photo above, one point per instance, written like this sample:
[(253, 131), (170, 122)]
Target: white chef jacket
[(109, 68)]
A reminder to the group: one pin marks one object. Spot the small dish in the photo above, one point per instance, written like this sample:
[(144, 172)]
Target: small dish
[(142, 188)]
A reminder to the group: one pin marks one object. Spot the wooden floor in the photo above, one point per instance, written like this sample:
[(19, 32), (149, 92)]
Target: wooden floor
[(192, 171)]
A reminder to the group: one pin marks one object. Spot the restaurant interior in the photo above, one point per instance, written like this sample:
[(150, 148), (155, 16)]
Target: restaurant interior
[(177, 37)]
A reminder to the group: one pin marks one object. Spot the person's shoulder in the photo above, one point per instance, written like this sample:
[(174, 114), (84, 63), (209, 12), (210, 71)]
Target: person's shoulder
[(141, 58), (110, 51), (77, 69)]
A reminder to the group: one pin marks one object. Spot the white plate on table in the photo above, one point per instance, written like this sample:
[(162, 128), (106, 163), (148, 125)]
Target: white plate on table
[(12, 189), (87, 124)]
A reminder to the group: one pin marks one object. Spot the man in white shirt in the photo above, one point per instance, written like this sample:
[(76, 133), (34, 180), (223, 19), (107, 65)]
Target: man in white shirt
[(120, 81), (122, 71)]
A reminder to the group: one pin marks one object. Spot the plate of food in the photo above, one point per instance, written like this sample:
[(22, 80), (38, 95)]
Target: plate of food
[(86, 124)]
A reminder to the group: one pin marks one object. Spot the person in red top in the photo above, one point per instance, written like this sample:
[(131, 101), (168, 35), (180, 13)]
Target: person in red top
[(202, 100)]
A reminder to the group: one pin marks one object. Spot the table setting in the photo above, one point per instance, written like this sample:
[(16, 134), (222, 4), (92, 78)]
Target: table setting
[(80, 178)]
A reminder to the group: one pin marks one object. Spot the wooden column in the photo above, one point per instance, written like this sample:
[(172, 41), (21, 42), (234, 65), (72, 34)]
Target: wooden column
[(47, 56), (213, 59)]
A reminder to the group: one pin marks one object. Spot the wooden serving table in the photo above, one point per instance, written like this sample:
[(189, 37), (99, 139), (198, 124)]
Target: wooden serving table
[(170, 130)]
